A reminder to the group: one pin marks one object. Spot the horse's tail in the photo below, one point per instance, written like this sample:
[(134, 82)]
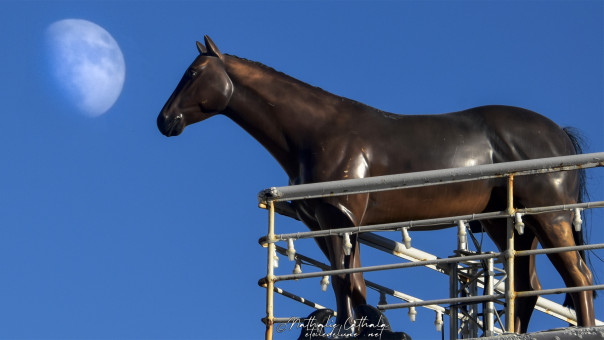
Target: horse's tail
[(580, 237)]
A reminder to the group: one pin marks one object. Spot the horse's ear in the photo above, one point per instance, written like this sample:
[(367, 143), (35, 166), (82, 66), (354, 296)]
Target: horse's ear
[(202, 49), (212, 49)]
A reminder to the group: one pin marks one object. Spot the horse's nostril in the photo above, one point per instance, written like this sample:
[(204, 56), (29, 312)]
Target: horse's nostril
[(170, 125)]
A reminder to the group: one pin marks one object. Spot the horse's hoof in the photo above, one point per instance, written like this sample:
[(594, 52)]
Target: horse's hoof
[(373, 324), (314, 324)]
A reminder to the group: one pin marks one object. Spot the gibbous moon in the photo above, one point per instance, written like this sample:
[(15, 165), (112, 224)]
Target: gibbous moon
[(87, 64)]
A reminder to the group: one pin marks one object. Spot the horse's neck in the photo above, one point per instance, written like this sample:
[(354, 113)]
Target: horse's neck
[(282, 113)]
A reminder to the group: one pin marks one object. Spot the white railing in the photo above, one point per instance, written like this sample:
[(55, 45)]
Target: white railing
[(276, 198)]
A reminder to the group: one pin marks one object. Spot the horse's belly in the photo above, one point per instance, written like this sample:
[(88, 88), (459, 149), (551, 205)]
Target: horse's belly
[(428, 202)]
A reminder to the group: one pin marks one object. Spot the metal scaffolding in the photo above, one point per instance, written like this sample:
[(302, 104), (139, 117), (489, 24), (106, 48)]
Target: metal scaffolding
[(468, 270)]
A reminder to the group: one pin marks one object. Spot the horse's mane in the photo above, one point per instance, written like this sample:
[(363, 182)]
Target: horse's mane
[(300, 82)]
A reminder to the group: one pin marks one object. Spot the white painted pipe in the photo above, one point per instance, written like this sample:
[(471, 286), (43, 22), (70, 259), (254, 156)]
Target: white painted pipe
[(291, 251), (577, 221), (519, 225)]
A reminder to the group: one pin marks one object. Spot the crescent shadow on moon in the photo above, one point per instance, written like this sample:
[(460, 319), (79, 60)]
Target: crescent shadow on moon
[(87, 64)]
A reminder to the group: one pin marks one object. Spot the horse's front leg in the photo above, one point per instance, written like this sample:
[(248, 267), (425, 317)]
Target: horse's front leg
[(349, 289)]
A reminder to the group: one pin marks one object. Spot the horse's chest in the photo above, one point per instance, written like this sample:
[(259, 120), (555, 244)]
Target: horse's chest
[(333, 163)]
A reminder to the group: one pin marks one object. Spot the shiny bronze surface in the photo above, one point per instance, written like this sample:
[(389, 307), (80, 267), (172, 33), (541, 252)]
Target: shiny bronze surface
[(317, 136)]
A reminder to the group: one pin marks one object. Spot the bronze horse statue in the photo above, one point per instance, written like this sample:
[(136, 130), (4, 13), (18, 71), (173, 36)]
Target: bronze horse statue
[(317, 136)]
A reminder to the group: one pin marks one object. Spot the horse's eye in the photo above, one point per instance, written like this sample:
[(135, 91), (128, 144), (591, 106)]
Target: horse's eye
[(193, 73)]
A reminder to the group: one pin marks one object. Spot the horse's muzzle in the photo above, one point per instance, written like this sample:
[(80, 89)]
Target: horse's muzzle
[(172, 125)]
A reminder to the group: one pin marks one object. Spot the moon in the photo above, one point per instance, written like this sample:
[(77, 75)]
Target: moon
[(87, 64)]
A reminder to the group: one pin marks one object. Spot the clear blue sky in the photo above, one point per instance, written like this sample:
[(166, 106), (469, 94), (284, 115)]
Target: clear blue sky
[(110, 230)]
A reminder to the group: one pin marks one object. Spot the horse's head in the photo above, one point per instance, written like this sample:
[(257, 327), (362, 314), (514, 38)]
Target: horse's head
[(204, 90)]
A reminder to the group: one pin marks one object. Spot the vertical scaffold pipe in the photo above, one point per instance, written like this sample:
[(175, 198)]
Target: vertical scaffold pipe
[(489, 307), (270, 273), (509, 287), (453, 293), (472, 287)]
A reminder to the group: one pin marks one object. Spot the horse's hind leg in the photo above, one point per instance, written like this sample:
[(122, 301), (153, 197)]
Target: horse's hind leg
[(555, 231), (525, 272), (525, 275)]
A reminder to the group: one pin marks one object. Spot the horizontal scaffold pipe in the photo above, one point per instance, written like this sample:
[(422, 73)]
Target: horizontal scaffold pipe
[(474, 299), (558, 291), (390, 226), (432, 177), (381, 267), (441, 221), (559, 249), (459, 300), (425, 263), (560, 207), (298, 298)]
